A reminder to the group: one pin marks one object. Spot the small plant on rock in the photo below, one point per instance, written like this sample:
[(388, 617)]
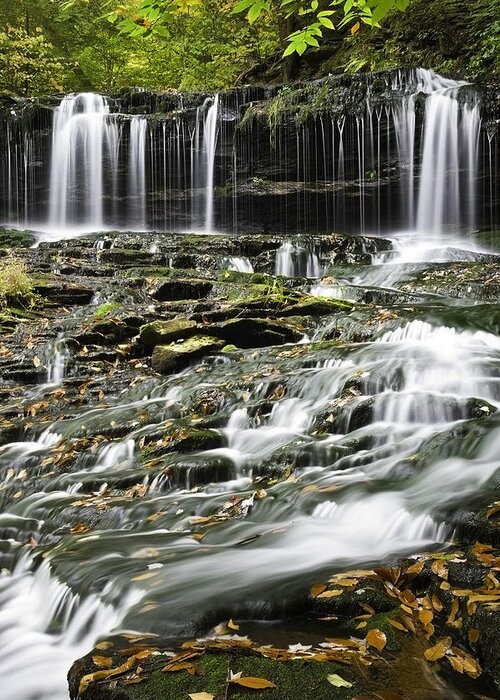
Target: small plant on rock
[(16, 285)]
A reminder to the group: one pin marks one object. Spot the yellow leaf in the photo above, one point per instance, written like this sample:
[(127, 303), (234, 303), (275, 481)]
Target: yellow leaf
[(37, 361), (338, 681), (252, 682), (102, 646), (453, 612), (397, 625), (355, 27), (331, 593), (103, 661), (201, 696), (438, 650), (455, 663), (425, 616), (440, 569), (232, 625), (376, 638), (317, 589)]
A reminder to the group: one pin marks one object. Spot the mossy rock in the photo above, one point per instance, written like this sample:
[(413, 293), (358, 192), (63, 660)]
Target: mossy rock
[(298, 679), (176, 290), (317, 306), (255, 333), (17, 239), (164, 332), (177, 356), (63, 293)]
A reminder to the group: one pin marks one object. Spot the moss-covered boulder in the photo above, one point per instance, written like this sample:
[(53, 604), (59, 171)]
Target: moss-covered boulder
[(163, 332), (177, 356)]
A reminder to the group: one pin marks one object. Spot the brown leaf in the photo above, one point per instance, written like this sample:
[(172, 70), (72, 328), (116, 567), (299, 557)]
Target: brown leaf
[(438, 650), (317, 589), (425, 616), (376, 638), (416, 568), (453, 612), (473, 635), (436, 603), (397, 625), (440, 569), (455, 663), (252, 682), (355, 27), (102, 646), (89, 678)]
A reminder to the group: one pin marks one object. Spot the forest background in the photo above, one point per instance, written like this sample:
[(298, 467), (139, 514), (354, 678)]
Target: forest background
[(52, 46)]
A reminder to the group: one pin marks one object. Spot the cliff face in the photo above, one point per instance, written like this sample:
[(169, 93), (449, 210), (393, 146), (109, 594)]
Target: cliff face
[(346, 152)]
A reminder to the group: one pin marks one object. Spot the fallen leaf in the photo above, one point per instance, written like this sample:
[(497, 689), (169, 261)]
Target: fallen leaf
[(397, 625), (232, 625), (376, 638), (338, 681), (438, 650), (252, 682), (332, 593), (425, 616), (201, 696), (317, 589), (473, 635), (37, 361), (103, 661), (440, 569)]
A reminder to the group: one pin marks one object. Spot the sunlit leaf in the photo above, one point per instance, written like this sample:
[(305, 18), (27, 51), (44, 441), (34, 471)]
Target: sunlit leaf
[(253, 682), (338, 681), (102, 661), (438, 650), (376, 638)]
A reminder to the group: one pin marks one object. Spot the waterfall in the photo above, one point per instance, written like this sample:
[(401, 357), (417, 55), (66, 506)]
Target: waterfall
[(450, 145), (405, 158), (81, 136), (210, 134), (137, 173)]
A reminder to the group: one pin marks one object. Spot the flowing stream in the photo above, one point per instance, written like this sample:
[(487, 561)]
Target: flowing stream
[(377, 483)]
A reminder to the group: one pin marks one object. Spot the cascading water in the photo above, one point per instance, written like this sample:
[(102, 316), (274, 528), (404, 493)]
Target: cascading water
[(406, 159), (137, 173), (450, 146), (82, 138), (104, 490)]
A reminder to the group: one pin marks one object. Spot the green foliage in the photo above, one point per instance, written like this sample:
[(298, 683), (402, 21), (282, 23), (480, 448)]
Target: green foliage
[(28, 64), (16, 286)]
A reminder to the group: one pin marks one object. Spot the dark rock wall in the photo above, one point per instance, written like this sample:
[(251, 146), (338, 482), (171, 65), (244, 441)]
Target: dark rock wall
[(309, 157)]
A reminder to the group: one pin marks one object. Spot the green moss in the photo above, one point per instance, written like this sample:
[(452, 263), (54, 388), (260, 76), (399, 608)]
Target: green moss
[(298, 679), (106, 309), (17, 239)]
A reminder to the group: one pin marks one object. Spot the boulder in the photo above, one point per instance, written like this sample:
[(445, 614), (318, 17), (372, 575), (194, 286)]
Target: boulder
[(177, 356), (255, 332), (175, 290), (164, 332)]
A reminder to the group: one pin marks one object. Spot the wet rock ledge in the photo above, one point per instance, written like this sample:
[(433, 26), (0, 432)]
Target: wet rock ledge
[(124, 308)]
